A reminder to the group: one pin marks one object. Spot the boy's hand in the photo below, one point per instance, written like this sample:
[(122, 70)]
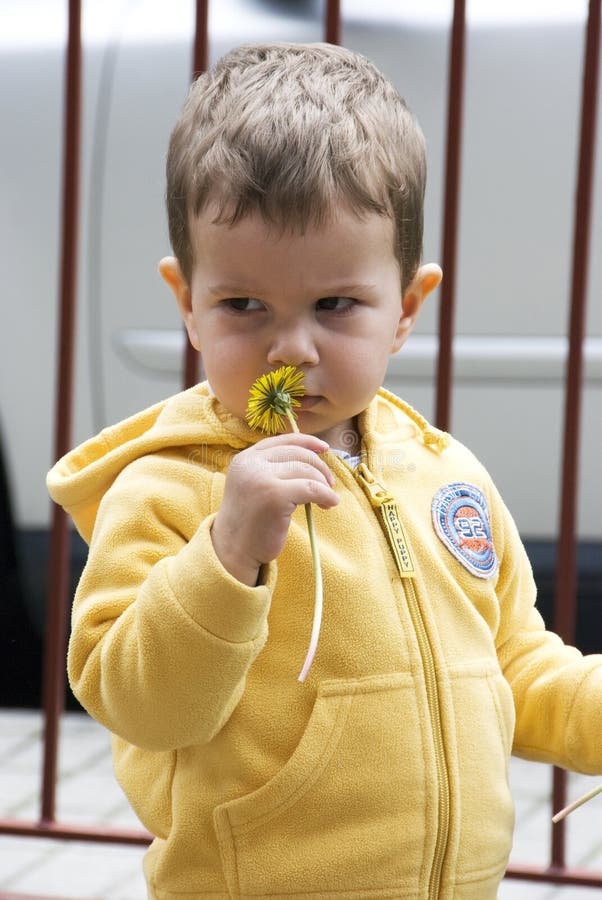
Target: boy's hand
[(264, 485)]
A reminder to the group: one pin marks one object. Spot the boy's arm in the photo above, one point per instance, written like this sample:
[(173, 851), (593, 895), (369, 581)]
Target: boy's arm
[(162, 636), (557, 691)]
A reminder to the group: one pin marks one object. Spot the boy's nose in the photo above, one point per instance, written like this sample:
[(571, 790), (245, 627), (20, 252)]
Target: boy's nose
[(293, 347)]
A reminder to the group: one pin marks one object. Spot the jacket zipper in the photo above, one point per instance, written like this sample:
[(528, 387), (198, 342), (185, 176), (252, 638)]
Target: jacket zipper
[(385, 506)]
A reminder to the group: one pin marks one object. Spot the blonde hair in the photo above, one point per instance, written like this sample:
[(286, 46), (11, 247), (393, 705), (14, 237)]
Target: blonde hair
[(292, 131)]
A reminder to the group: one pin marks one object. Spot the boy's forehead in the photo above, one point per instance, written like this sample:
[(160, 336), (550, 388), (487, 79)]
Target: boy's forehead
[(344, 253)]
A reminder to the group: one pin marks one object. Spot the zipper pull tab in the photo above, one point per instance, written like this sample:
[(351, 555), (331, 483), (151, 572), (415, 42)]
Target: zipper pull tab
[(385, 504)]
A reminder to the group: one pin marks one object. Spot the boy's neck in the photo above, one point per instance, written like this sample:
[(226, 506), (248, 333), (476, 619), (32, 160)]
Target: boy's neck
[(349, 440)]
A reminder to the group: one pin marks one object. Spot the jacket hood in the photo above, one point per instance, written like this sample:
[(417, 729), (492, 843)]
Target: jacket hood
[(79, 480), (194, 417)]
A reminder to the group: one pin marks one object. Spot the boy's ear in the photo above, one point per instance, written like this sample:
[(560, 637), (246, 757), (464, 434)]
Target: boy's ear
[(171, 272), (426, 279)]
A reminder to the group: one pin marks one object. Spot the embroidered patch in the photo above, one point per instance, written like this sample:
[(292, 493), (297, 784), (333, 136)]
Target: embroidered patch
[(461, 519)]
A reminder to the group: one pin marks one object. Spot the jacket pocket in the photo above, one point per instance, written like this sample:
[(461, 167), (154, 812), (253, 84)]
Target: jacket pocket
[(352, 810), (484, 714)]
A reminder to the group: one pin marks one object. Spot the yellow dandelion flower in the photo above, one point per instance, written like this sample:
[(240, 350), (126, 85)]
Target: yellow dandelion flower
[(271, 401), (273, 397)]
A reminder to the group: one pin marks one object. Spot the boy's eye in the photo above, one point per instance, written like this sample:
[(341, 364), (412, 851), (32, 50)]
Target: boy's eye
[(243, 304), (336, 304)]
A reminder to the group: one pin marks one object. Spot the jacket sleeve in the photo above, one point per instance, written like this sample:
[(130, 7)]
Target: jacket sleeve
[(557, 691), (162, 635)]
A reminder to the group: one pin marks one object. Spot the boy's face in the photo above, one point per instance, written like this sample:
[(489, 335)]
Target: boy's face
[(327, 301)]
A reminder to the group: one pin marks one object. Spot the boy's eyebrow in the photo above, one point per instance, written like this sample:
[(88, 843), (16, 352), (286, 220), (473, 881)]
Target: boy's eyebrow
[(335, 289), (231, 289), (344, 289)]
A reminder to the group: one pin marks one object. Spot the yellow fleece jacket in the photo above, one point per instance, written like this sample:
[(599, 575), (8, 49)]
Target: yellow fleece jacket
[(385, 773)]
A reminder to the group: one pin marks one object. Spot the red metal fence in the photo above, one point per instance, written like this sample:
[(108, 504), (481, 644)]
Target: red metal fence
[(566, 575)]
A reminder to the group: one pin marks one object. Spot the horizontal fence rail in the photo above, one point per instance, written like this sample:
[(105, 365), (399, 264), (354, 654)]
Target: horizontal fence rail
[(58, 601)]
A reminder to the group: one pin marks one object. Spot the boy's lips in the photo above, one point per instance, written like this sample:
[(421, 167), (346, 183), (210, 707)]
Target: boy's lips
[(307, 401)]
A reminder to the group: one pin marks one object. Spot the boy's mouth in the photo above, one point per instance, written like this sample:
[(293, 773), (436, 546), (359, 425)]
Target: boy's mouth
[(308, 401)]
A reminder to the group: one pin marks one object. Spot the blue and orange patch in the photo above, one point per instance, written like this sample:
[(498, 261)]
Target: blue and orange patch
[(461, 519)]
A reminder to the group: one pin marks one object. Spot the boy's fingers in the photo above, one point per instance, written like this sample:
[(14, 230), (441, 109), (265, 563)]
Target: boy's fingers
[(295, 469), (308, 490), (297, 456), (296, 439)]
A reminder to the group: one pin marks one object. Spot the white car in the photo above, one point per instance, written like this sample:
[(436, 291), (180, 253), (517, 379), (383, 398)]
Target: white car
[(522, 101)]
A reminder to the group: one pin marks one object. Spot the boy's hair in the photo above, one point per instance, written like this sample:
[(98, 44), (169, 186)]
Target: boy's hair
[(292, 131)]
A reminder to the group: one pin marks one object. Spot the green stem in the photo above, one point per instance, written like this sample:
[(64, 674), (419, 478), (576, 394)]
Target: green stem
[(318, 593), (576, 804)]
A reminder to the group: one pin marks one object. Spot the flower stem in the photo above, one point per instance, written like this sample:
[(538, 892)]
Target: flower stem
[(576, 804), (315, 555)]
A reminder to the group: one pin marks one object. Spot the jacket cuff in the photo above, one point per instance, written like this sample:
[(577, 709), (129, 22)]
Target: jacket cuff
[(213, 598)]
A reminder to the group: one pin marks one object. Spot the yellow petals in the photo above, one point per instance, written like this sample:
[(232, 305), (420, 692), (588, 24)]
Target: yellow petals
[(272, 398)]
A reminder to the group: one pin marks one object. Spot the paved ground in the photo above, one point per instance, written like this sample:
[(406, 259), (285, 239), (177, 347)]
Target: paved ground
[(89, 794)]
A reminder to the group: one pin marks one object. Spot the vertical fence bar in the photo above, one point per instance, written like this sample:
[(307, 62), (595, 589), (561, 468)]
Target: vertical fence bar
[(451, 206), (332, 23), (565, 604), (56, 614), (200, 52)]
